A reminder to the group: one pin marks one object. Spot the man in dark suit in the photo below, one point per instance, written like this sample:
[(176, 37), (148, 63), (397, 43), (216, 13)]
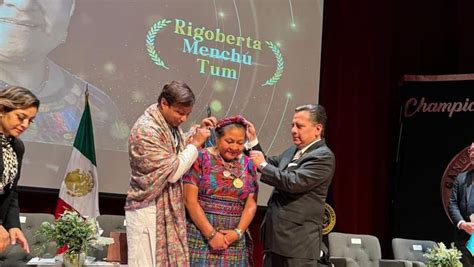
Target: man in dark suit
[(461, 209), (301, 177)]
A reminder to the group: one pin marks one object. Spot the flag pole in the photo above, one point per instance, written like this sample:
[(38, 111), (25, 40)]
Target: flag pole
[(86, 93), (79, 190)]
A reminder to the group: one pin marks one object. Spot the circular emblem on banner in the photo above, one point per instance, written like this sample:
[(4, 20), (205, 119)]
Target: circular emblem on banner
[(329, 219), (78, 183), (458, 164)]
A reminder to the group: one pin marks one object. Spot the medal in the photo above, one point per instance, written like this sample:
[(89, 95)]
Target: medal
[(238, 183), (226, 173)]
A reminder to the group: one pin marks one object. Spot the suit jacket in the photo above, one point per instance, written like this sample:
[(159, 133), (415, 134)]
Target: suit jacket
[(293, 221), (461, 204), (9, 208)]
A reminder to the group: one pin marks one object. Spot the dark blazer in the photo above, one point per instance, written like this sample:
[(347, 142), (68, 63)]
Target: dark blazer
[(293, 221), (461, 204), (9, 208)]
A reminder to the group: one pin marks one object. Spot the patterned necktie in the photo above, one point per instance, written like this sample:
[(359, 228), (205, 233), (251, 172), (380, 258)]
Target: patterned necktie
[(176, 138)]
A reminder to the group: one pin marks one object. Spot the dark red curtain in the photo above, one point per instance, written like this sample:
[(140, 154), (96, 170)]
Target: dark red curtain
[(367, 46), (355, 89)]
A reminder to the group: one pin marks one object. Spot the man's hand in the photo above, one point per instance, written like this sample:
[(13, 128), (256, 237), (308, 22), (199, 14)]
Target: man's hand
[(251, 132), (209, 122), (468, 227), (16, 235), (257, 157), (200, 136), (4, 239)]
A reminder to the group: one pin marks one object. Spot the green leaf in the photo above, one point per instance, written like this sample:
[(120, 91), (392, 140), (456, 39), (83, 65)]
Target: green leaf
[(70, 229)]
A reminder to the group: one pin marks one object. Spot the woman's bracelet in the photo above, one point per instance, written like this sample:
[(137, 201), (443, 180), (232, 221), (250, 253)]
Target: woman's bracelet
[(211, 235)]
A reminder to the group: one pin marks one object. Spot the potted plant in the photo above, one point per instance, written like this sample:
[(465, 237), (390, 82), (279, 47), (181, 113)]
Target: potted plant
[(440, 256), (74, 232)]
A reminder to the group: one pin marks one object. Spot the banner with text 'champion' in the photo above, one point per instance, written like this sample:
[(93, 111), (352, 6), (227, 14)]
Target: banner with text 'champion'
[(437, 127)]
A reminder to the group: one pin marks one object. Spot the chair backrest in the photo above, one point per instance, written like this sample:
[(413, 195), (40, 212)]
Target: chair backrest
[(410, 249), (111, 223), (30, 223), (108, 223), (363, 249)]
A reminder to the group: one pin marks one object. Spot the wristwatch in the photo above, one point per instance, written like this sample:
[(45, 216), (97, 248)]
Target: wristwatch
[(239, 233)]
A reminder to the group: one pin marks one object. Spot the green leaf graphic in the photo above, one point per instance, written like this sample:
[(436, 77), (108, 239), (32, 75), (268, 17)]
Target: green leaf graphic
[(150, 42), (280, 64)]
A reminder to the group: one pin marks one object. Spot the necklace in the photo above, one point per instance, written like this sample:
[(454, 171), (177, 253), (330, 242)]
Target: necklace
[(229, 170)]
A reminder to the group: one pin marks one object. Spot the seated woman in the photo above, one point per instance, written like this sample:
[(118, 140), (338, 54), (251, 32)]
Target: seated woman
[(220, 194)]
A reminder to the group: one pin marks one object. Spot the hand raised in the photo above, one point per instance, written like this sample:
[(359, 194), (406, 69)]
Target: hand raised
[(257, 157), (200, 136), (209, 122), (251, 132)]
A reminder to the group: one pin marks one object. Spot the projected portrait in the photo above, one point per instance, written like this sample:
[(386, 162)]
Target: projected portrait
[(29, 31), (259, 59)]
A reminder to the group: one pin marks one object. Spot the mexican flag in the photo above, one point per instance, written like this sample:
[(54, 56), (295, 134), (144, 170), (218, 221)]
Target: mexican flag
[(80, 190)]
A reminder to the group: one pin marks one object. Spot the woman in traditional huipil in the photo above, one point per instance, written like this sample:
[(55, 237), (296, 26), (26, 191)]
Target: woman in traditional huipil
[(220, 193)]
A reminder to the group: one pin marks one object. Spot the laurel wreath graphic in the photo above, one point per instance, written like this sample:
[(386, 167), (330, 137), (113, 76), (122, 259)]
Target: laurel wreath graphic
[(280, 65), (150, 42)]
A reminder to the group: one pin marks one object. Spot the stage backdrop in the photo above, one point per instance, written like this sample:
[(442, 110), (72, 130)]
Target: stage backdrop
[(257, 58), (437, 127)]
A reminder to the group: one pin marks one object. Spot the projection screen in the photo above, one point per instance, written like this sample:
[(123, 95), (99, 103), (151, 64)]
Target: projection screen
[(257, 58)]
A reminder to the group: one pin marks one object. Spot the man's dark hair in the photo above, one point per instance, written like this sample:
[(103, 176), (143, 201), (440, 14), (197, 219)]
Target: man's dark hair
[(317, 114), (177, 93)]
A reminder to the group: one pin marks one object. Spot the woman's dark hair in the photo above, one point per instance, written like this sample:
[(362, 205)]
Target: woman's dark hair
[(220, 131), (16, 97), (177, 93)]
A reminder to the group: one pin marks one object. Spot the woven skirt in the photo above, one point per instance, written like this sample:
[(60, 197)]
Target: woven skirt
[(221, 214)]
